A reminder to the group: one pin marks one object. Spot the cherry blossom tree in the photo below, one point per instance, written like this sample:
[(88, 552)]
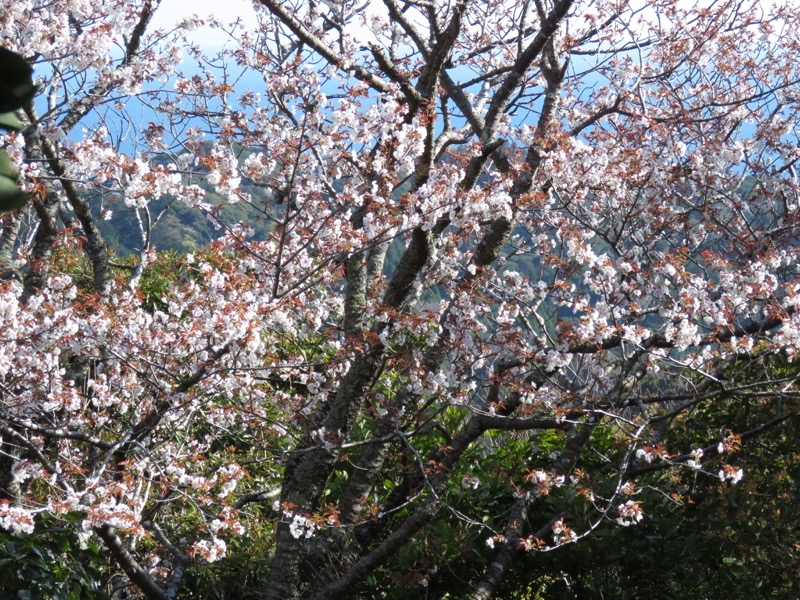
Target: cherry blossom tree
[(512, 246)]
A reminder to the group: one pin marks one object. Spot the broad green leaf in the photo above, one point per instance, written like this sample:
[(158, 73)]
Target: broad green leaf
[(7, 167), (8, 120), (11, 197), (16, 85)]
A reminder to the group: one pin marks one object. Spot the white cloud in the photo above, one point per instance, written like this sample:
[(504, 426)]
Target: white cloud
[(171, 12)]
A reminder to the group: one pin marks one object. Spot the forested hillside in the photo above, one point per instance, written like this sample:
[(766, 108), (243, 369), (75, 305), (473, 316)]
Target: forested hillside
[(182, 228)]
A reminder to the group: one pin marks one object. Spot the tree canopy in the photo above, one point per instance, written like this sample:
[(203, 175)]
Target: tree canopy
[(501, 300)]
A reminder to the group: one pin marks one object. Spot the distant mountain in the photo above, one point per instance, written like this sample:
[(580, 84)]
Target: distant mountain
[(183, 228), (180, 227)]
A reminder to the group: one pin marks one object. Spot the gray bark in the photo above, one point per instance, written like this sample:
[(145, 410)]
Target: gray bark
[(46, 233), (8, 242)]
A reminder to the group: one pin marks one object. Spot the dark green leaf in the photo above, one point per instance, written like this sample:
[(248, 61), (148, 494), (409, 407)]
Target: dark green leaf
[(11, 197), (7, 166), (8, 120), (16, 83)]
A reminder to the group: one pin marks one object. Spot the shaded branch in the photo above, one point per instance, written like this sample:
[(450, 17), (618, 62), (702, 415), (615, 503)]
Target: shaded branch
[(511, 549), (132, 568)]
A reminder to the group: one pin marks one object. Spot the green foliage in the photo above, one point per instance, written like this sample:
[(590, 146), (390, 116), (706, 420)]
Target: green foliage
[(51, 564), (16, 90), (158, 279), (241, 575), (722, 541), (700, 538), (16, 83)]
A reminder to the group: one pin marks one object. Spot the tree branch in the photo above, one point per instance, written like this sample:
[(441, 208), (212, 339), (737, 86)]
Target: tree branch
[(328, 53), (132, 568)]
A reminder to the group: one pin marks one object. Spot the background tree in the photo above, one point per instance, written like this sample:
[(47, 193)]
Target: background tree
[(530, 267)]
